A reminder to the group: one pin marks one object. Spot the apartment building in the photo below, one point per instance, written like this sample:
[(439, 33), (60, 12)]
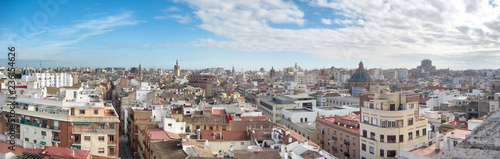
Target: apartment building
[(78, 118), (339, 135), (389, 121)]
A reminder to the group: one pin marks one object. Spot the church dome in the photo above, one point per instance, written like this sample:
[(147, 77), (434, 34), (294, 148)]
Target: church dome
[(360, 75), (26, 72)]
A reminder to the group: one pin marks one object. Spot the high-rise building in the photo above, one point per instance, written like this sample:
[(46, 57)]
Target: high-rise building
[(389, 121), (177, 69)]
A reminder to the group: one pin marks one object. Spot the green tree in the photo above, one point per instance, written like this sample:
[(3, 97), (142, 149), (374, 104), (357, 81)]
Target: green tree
[(198, 99)]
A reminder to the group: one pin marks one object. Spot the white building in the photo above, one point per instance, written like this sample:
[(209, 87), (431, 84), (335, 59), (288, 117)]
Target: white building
[(172, 125), (47, 79)]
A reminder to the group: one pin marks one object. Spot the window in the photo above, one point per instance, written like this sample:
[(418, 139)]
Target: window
[(363, 147), (34, 141), (301, 120), (112, 126), (365, 134), (242, 143), (391, 138), (372, 135), (96, 111), (101, 150), (410, 135), (353, 141), (328, 131), (374, 121), (383, 123), (169, 124), (341, 136), (391, 124), (34, 131), (365, 119), (86, 138), (44, 133), (410, 121), (424, 132), (401, 138), (400, 123), (381, 138), (391, 153), (82, 111), (392, 107), (353, 153), (372, 150), (381, 152), (101, 138), (27, 139), (417, 133), (305, 119), (100, 126)]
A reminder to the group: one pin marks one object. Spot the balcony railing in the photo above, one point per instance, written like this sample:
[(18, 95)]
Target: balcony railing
[(346, 154), (102, 131), (346, 142), (334, 137)]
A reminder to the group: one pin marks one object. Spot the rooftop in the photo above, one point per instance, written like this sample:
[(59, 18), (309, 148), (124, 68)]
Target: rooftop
[(168, 149)]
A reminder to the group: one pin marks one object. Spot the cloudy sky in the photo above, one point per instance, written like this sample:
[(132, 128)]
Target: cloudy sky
[(250, 34)]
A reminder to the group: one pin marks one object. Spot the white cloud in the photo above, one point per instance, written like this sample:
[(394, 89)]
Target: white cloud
[(182, 19), (62, 38), (326, 21), (375, 29), (171, 9)]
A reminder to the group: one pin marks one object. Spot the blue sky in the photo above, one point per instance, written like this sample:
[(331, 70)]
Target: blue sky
[(252, 34)]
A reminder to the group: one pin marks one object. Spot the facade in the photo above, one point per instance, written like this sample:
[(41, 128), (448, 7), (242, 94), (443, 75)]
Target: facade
[(46, 79), (202, 80), (77, 119), (301, 120), (390, 121), (338, 135)]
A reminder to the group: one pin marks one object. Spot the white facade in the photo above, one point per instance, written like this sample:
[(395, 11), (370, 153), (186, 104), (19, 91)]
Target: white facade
[(48, 79), (471, 124), (171, 125)]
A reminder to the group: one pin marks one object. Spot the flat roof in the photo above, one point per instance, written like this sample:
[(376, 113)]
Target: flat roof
[(298, 110)]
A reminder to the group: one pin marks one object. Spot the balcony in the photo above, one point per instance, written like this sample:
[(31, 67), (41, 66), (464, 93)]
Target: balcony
[(334, 148), (346, 142), (35, 124), (56, 138), (100, 131), (23, 121), (334, 137), (346, 154)]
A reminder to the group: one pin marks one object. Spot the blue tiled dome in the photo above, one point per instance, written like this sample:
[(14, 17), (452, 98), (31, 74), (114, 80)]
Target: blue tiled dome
[(26, 72)]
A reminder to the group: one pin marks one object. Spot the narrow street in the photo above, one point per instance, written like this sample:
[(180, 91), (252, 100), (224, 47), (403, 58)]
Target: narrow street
[(124, 149)]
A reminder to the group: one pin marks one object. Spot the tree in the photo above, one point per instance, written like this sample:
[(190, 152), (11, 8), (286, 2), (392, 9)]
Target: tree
[(199, 98)]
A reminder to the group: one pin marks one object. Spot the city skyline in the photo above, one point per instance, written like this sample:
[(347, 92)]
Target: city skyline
[(252, 34)]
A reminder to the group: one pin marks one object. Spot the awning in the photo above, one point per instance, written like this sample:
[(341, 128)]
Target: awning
[(78, 123), (100, 123), (42, 142), (76, 146), (87, 123)]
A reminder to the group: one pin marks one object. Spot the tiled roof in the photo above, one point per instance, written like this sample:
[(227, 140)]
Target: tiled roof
[(65, 152), (423, 100), (159, 134), (248, 118), (207, 120), (168, 149), (265, 153), (242, 125), (4, 148)]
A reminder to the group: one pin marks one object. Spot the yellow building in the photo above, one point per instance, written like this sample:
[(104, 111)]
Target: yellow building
[(389, 121)]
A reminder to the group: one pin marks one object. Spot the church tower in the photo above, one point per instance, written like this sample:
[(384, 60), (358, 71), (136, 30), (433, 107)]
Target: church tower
[(177, 69)]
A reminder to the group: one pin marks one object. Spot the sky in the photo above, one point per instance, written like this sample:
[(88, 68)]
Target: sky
[(252, 34)]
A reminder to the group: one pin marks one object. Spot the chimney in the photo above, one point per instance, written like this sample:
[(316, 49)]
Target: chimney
[(445, 142), (437, 140), (72, 152), (452, 134), (289, 139)]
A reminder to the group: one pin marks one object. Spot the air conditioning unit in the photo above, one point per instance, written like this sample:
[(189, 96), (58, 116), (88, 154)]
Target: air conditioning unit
[(71, 124), (72, 137)]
